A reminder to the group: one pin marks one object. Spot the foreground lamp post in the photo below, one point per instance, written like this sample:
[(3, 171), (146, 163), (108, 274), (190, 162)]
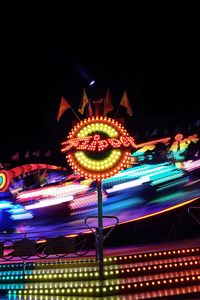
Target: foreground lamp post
[(98, 148)]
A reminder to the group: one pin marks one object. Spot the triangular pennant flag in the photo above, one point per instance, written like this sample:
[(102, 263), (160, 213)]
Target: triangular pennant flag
[(15, 156), (98, 107), (64, 105), (48, 153), (125, 102), (89, 109), (83, 103), (27, 154), (43, 176), (36, 153), (107, 103)]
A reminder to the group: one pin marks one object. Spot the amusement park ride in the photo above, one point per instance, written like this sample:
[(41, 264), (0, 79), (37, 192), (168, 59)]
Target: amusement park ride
[(110, 173)]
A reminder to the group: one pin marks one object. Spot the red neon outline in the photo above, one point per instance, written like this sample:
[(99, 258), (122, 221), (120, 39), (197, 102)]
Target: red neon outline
[(73, 143)]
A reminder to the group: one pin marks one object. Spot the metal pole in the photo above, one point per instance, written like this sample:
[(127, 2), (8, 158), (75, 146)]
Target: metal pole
[(100, 231)]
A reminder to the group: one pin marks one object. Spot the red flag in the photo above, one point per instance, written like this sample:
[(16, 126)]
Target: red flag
[(125, 102), (36, 153), (15, 156), (107, 103), (48, 153), (89, 109), (64, 105), (97, 106), (83, 103), (27, 154)]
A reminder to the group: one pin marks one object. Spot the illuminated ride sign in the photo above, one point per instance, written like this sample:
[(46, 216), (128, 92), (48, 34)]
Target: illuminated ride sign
[(4, 180), (98, 147)]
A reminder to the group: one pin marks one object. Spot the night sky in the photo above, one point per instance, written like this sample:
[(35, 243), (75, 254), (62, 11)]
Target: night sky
[(150, 49)]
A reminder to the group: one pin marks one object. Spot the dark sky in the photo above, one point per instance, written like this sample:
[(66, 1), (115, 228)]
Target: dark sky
[(150, 48)]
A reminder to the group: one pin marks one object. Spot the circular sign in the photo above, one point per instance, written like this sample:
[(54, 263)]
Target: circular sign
[(97, 147), (4, 180)]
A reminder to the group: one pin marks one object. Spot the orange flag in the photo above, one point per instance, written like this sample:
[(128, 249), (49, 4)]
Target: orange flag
[(107, 103), (125, 102), (83, 103), (64, 105)]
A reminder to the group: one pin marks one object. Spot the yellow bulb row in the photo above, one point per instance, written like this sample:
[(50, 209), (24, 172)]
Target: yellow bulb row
[(91, 274), (103, 164), (87, 130), (153, 254), (177, 281), (110, 259)]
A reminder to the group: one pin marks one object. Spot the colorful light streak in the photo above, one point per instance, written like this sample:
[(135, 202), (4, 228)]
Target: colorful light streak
[(22, 216), (49, 202), (191, 164), (52, 192), (16, 209), (149, 172), (161, 177), (5, 204), (26, 169), (88, 200), (175, 174), (172, 184), (127, 185), (158, 212)]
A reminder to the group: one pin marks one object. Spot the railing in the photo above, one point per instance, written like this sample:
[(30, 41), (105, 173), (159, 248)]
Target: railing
[(58, 244), (94, 230), (194, 208), (44, 244)]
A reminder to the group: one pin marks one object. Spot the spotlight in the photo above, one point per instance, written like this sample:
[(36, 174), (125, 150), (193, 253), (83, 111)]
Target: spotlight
[(92, 82)]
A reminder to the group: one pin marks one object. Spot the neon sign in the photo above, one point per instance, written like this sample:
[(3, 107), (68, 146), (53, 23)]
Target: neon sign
[(98, 147), (95, 143), (4, 180)]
